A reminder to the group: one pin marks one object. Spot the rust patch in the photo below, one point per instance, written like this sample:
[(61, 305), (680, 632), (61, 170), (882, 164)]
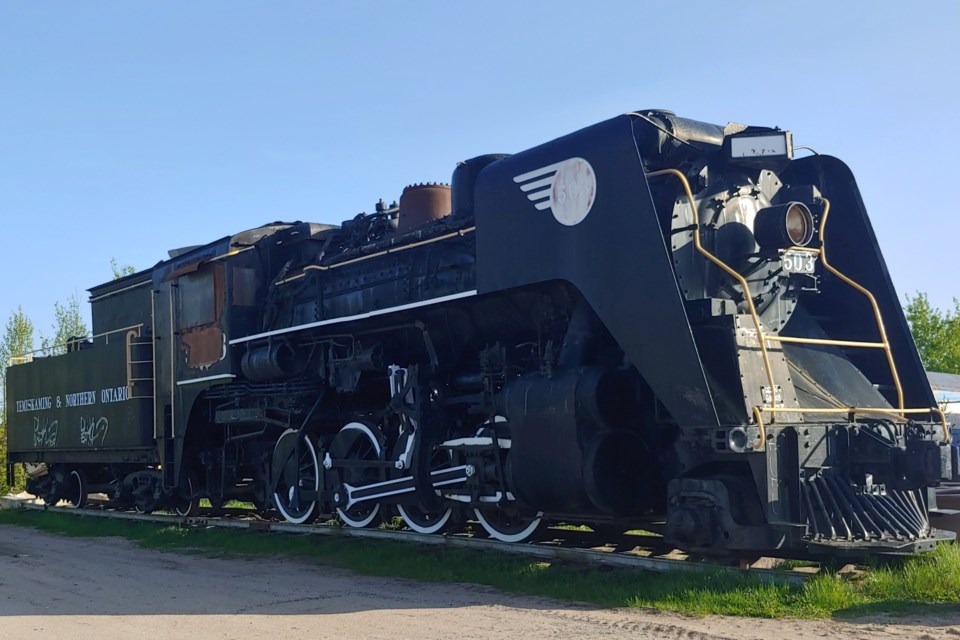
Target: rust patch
[(201, 339), (203, 346)]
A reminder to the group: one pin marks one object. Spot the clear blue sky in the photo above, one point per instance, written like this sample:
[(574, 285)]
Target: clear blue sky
[(129, 128)]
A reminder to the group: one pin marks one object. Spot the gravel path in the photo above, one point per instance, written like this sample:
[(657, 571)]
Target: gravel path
[(108, 588)]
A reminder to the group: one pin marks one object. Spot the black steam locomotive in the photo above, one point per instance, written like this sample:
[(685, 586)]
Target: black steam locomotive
[(650, 320)]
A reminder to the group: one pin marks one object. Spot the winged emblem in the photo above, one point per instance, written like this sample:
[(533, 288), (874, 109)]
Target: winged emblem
[(567, 188)]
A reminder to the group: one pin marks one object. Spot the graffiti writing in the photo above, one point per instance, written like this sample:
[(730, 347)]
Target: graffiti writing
[(93, 431), (45, 433)]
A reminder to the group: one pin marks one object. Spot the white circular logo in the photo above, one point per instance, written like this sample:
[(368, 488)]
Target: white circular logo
[(574, 189)]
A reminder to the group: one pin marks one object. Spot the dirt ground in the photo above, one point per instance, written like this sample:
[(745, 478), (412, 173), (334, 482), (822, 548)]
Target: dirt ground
[(107, 588)]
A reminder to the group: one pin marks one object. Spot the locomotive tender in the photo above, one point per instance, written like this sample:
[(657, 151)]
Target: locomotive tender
[(653, 319)]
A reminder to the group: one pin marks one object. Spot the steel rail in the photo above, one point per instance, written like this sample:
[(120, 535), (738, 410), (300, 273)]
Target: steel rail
[(547, 552)]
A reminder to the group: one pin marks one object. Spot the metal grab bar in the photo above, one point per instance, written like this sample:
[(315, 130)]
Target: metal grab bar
[(22, 357), (839, 343), (873, 303), (884, 343), (725, 267)]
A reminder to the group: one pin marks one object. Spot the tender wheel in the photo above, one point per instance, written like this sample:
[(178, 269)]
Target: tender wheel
[(50, 497), (358, 441), (187, 501), (144, 504), (145, 491), (509, 523), (76, 492), (54, 488), (296, 468), (416, 517)]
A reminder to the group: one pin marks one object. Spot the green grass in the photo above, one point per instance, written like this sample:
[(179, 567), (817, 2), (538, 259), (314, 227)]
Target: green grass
[(229, 504), (588, 529), (572, 527), (918, 585)]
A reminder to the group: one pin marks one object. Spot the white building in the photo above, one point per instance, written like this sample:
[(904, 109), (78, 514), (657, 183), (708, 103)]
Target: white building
[(946, 390)]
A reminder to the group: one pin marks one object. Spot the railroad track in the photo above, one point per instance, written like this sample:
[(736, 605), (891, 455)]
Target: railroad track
[(566, 545)]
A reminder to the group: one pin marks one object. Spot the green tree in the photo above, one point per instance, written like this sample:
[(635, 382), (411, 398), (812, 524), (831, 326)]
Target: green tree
[(936, 332), (121, 270), (67, 323), (17, 340)]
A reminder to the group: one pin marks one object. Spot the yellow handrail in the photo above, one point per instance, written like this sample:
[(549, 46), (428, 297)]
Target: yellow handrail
[(943, 421), (729, 270), (838, 343), (873, 303), (763, 337), (884, 342)]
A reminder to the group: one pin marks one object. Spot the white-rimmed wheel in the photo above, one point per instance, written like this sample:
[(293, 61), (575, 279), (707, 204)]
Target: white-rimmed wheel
[(510, 523), (506, 520), (76, 492), (358, 442), (425, 521), (187, 501), (416, 517), (296, 471)]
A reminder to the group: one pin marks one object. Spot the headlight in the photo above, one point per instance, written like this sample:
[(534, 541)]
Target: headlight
[(799, 224), (783, 226)]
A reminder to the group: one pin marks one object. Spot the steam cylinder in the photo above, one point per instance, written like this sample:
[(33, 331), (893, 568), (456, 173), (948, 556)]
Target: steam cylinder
[(569, 451)]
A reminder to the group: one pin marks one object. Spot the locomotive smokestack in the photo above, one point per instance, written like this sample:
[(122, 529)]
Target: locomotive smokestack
[(423, 203)]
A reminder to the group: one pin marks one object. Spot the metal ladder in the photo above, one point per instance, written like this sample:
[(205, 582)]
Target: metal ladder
[(139, 366)]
